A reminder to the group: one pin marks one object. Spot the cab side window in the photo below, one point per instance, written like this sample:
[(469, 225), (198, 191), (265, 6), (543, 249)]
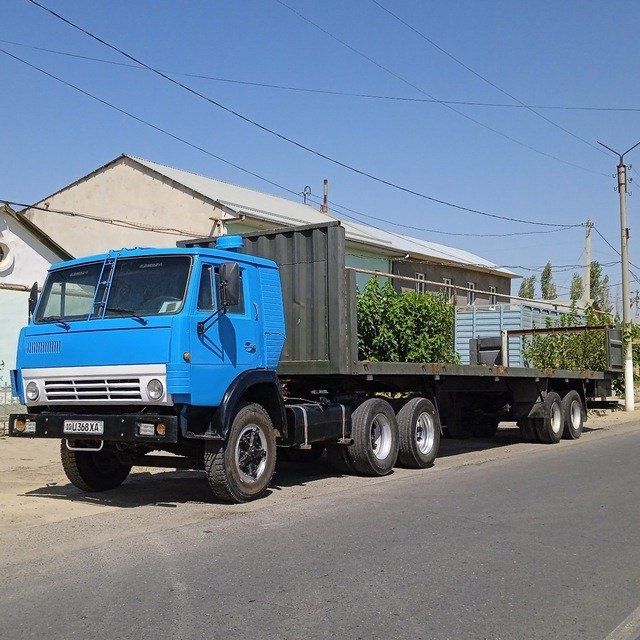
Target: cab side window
[(208, 291), (206, 298)]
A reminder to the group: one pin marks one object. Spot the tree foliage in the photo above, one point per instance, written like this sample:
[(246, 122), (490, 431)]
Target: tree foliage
[(528, 287), (547, 285), (576, 288), (404, 327), (599, 287)]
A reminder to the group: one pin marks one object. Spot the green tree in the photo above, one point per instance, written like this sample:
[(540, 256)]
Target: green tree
[(599, 287), (547, 285), (528, 287), (576, 287)]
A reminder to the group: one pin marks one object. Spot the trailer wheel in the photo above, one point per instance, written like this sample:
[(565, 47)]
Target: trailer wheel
[(338, 457), (574, 415), (419, 430), (93, 470), (241, 468), (551, 425), (374, 431)]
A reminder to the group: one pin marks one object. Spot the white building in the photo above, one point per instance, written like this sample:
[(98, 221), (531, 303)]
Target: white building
[(25, 255)]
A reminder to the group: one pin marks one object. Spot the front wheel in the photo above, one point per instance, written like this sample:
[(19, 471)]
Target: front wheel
[(241, 468), (93, 470)]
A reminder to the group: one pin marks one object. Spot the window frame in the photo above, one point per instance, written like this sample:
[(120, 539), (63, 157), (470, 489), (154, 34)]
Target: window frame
[(471, 294), (449, 291), (420, 284), (215, 267), (493, 298)]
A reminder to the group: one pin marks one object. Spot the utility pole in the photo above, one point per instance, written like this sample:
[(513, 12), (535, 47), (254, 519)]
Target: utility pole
[(324, 207), (626, 295), (586, 278)]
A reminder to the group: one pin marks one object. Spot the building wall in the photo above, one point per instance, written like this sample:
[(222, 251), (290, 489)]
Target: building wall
[(459, 276), (361, 258), (26, 261), (126, 191)]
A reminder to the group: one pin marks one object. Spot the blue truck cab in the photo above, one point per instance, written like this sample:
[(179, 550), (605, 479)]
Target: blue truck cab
[(143, 349)]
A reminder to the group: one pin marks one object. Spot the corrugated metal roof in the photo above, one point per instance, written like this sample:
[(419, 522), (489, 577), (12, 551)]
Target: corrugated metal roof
[(283, 211)]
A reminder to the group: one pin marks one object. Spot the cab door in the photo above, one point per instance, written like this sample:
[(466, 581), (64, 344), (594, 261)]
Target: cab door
[(228, 343)]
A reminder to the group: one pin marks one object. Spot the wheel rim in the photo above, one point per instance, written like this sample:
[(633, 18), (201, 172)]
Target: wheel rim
[(576, 414), (556, 418), (251, 453), (425, 432), (381, 436)]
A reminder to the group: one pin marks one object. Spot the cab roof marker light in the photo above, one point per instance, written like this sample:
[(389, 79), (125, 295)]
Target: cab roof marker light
[(229, 243)]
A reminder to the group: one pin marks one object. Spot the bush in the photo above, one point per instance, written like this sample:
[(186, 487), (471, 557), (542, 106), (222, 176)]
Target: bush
[(404, 327), (573, 351)]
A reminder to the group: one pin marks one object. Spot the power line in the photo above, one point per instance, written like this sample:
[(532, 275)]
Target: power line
[(423, 91), (482, 77), (283, 137), (331, 92), (236, 166)]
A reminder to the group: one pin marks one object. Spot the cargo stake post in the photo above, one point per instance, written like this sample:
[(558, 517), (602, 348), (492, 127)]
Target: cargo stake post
[(223, 351)]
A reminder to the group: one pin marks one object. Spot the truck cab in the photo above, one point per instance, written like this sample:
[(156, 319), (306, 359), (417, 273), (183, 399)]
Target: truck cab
[(171, 349)]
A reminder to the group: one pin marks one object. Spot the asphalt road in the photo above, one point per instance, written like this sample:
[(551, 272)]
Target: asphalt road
[(536, 544)]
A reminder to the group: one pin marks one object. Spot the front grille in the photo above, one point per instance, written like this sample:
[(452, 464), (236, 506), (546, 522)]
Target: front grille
[(93, 389)]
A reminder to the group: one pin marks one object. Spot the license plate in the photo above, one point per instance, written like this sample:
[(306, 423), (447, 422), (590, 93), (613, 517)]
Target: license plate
[(83, 426)]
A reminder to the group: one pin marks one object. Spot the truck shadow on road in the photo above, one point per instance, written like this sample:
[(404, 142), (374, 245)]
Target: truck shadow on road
[(169, 489)]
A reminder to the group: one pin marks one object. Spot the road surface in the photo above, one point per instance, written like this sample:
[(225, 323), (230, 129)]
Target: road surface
[(514, 541)]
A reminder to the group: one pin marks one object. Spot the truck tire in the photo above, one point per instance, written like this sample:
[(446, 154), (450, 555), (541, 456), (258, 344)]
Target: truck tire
[(374, 431), (419, 431), (549, 427), (93, 470), (338, 457), (574, 415), (241, 468)]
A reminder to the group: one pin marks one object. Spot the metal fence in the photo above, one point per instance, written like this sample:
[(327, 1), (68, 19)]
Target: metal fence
[(7, 403)]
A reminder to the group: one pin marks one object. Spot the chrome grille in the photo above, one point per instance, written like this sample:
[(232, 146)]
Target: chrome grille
[(93, 389)]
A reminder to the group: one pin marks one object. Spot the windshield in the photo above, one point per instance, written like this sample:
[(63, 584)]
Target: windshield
[(148, 286), (68, 293), (155, 285)]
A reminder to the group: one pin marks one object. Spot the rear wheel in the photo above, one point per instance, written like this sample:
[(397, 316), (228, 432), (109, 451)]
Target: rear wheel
[(93, 470), (528, 430), (374, 431), (549, 428), (241, 468), (574, 415), (419, 431)]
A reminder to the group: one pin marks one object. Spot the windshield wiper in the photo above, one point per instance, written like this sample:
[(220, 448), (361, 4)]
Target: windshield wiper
[(131, 312), (58, 320)]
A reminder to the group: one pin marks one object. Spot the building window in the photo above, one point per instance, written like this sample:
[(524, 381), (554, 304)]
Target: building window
[(421, 287), (448, 289), (493, 299), (471, 293)]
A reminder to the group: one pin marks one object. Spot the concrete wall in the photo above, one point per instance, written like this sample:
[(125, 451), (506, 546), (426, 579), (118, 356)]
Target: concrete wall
[(126, 191), (459, 276)]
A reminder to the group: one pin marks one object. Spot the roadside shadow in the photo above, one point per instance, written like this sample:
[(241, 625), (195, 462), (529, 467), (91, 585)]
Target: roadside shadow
[(507, 435), (164, 489)]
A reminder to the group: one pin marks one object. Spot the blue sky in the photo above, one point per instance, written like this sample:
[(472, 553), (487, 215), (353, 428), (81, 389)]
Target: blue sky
[(544, 53)]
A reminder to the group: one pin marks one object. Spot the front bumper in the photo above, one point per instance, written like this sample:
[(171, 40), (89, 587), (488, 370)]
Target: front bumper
[(117, 427)]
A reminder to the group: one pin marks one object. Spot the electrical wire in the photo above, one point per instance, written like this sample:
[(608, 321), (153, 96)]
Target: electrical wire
[(423, 91), (481, 76), (245, 170), (331, 92), (281, 136)]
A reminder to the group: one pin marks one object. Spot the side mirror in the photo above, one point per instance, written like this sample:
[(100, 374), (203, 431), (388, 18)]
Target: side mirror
[(229, 284), (33, 299)]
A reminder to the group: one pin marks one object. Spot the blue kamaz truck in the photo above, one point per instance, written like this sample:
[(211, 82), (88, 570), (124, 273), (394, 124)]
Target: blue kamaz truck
[(222, 351)]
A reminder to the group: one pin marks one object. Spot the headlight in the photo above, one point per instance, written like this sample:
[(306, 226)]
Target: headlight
[(155, 389), (32, 391)]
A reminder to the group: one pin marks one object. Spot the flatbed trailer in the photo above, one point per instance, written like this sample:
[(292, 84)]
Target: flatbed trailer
[(226, 350)]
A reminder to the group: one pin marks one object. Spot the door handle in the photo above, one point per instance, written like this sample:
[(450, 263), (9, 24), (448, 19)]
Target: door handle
[(250, 347)]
